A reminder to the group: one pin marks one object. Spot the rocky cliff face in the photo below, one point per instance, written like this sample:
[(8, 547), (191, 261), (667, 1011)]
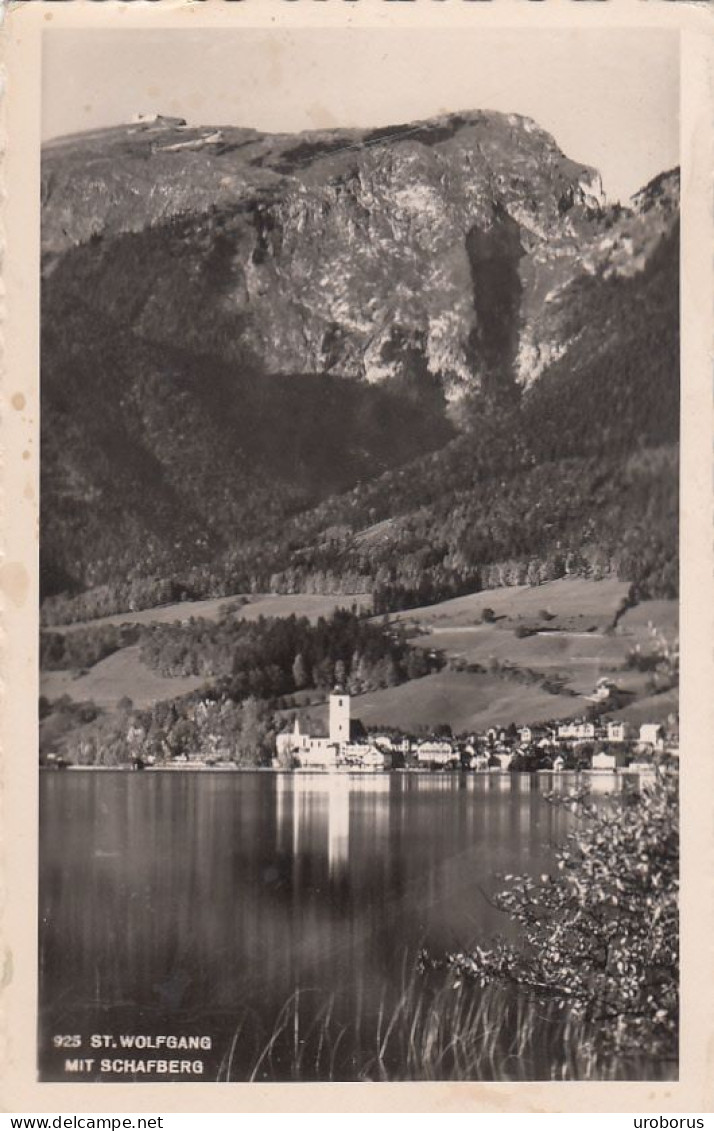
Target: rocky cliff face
[(430, 248), (253, 323)]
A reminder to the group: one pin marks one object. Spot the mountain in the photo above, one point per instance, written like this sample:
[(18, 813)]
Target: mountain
[(343, 252), (249, 339)]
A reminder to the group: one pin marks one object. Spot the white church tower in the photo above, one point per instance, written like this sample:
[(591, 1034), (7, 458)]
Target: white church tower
[(339, 716)]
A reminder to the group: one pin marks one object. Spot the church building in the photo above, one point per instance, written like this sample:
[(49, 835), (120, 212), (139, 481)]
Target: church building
[(342, 748)]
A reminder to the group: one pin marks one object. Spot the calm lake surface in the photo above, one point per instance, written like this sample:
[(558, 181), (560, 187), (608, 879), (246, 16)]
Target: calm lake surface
[(199, 903)]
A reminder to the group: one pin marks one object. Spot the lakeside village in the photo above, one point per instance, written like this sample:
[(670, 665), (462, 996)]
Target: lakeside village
[(581, 745), (576, 745)]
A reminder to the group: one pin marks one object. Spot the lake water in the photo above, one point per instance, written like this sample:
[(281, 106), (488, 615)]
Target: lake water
[(204, 904)]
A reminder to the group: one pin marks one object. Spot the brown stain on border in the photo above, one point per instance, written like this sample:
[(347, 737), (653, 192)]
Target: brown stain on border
[(8, 969)]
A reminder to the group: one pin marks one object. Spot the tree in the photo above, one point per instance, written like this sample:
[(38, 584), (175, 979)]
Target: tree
[(417, 663), (602, 933), (323, 673), (301, 675), (181, 738), (255, 741), (387, 673), (533, 576)]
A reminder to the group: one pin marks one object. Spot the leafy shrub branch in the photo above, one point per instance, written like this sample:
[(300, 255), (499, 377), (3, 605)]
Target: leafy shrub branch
[(601, 935)]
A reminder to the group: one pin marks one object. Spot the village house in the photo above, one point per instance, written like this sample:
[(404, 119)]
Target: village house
[(393, 744), (535, 735), (363, 756), (652, 734), (157, 120), (433, 753), (618, 731), (503, 756), (566, 731), (578, 731), (605, 689), (478, 762), (603, 761), (648, 769)]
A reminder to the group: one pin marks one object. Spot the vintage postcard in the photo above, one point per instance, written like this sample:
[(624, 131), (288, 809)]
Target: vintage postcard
[(357, 399)]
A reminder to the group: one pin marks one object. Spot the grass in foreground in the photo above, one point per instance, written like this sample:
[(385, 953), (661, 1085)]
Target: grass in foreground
[(436, 1030)]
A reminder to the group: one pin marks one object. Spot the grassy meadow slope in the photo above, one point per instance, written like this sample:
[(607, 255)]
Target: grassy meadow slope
[(572, 649), (572, 602), (310, 605), (566, 629), (463, 700), (121, 675)]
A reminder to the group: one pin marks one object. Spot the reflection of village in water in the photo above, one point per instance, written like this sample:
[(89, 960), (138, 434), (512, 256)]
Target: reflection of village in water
[(314, 811)]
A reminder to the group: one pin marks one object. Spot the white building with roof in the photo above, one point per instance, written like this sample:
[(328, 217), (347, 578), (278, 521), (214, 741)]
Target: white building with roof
[(604, 761), (436, 753), (335, 750), (652, 734), (618, 731), (579, 731)]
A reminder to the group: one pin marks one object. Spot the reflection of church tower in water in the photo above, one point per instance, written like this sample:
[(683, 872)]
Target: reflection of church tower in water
[(339, 716), (338, 826)]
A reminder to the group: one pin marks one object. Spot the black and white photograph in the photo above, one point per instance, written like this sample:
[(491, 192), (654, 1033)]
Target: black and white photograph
[(359, 555)]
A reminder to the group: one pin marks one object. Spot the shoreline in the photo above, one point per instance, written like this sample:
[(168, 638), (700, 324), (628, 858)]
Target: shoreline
[(349, 773)]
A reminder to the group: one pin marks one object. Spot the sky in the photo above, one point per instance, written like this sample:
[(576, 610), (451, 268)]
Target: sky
[(609, 97)]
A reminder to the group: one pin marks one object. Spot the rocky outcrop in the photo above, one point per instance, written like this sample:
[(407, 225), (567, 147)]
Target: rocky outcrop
[(432, 249)]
